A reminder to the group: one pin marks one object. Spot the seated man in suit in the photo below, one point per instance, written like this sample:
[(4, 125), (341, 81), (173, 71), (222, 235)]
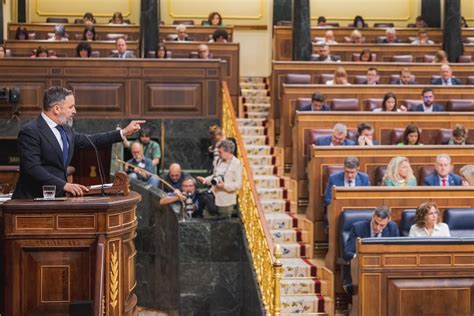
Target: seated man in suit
[(391, 36), (366, 135), (203, 51), (182, 33), (404, 77), (338, 137), (428, 105), (422, 38), (350, 177), (325, 54), (317, 104), (122, 52), (372, 76), (443, 175), (379, 226), (447, 78)]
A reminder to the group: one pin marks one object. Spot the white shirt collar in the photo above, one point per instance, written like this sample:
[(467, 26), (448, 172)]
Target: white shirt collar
[(52, 124)]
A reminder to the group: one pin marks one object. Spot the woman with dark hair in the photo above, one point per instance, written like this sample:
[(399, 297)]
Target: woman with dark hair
[(411, 136), (359, 22), (41, 52), (214, 19), (161, 51), (89, 33), (21, 33), (83, 50), (321, 21), (117, 18), (389, 104), (88, 18), (220, 36), (365, 55), (427, 222)]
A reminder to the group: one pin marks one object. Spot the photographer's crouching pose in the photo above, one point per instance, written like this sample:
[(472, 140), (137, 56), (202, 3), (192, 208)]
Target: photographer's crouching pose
[(226, 179), (192, 201)]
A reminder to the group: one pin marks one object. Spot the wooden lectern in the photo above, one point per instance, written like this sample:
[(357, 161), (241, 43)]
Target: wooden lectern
[(80, 249)]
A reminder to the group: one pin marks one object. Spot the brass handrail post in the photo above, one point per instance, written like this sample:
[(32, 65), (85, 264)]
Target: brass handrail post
[(277, 272)]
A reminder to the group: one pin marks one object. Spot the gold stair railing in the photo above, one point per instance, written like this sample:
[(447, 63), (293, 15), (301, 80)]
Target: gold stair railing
[(265, 261)]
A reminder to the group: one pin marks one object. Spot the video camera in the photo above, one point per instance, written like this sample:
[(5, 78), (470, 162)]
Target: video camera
[(217, 179)]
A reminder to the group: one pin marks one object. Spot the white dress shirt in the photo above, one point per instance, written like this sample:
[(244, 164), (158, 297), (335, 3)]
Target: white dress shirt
[(439, 230)]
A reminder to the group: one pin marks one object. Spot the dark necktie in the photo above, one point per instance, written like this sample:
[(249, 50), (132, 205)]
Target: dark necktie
[(65, 144), (443, 182), (349, 184)]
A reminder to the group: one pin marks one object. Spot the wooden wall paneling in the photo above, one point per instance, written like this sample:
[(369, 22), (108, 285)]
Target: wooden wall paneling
[(120, 88)]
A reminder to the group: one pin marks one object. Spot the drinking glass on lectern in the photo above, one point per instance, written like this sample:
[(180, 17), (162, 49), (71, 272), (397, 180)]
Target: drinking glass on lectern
[(49, 191)]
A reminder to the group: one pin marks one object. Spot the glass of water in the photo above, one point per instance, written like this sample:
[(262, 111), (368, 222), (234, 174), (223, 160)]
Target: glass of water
[(49, 191)]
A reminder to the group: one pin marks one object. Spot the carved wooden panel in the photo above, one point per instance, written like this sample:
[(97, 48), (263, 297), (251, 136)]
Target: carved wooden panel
[(99, 97), (429, 296), (121, 88), (180, 97), (53, 276)]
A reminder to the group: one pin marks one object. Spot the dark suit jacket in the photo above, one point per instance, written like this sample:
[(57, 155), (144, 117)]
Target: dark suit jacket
[(385, 41), (436, 108), (331, 58), (326, 141), (433, 180), (41, 157), (362, 229), (399, 82), (337, 179), (439, 81), (308, 108), (365, 82), (128, 54)]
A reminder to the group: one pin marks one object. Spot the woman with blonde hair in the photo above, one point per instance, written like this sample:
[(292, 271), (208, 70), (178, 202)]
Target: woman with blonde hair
[(467, 175), (399, 173), (427, 222), (340, 77), (441, 57)]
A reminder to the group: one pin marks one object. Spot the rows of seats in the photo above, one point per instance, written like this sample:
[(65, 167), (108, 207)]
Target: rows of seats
[(352, 104), (399, 58)]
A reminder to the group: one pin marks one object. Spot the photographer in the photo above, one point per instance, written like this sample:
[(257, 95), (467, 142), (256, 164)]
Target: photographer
[(226, 179), (143, 163), (187, 196)]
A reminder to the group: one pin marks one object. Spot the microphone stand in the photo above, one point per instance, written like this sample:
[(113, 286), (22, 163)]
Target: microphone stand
[(99, 164)]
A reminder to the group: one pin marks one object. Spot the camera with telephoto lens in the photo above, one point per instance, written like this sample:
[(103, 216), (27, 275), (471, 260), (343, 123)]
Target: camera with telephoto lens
[(189, 203), (217, 179)]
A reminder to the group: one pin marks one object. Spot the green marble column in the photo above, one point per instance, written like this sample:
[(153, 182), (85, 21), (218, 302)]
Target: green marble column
[(281, 10), (302, 47), (1, 23), (452, 37), (431, 12), (149, 26)]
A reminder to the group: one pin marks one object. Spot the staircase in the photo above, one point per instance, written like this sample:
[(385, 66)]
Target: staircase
[(305, 288)]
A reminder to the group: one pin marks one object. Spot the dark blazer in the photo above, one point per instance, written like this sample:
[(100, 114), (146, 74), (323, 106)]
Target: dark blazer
[(128, 54), (337, 179), (385, 41), (362, 229), (326, 141), (41, 157), (436, 108), (308, 108), (331, 58), (399, 82), (454, 81), (433, 180), (365, 82)]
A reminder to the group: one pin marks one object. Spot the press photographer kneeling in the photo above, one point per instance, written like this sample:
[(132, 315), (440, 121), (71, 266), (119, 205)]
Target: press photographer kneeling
[(188, 196), (226, 179)]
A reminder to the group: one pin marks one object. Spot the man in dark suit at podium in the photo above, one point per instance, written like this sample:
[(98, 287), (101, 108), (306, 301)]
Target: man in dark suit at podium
[(46, 145)]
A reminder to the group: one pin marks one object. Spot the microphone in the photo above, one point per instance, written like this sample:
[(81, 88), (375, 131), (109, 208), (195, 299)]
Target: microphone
[(99, 164)]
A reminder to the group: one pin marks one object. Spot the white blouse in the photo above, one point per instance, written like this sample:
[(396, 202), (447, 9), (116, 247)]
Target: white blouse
[(439, 230)]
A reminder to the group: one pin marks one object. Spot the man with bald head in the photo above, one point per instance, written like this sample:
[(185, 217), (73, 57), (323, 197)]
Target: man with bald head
[(140, 167), (174, 177), (446, 77)]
